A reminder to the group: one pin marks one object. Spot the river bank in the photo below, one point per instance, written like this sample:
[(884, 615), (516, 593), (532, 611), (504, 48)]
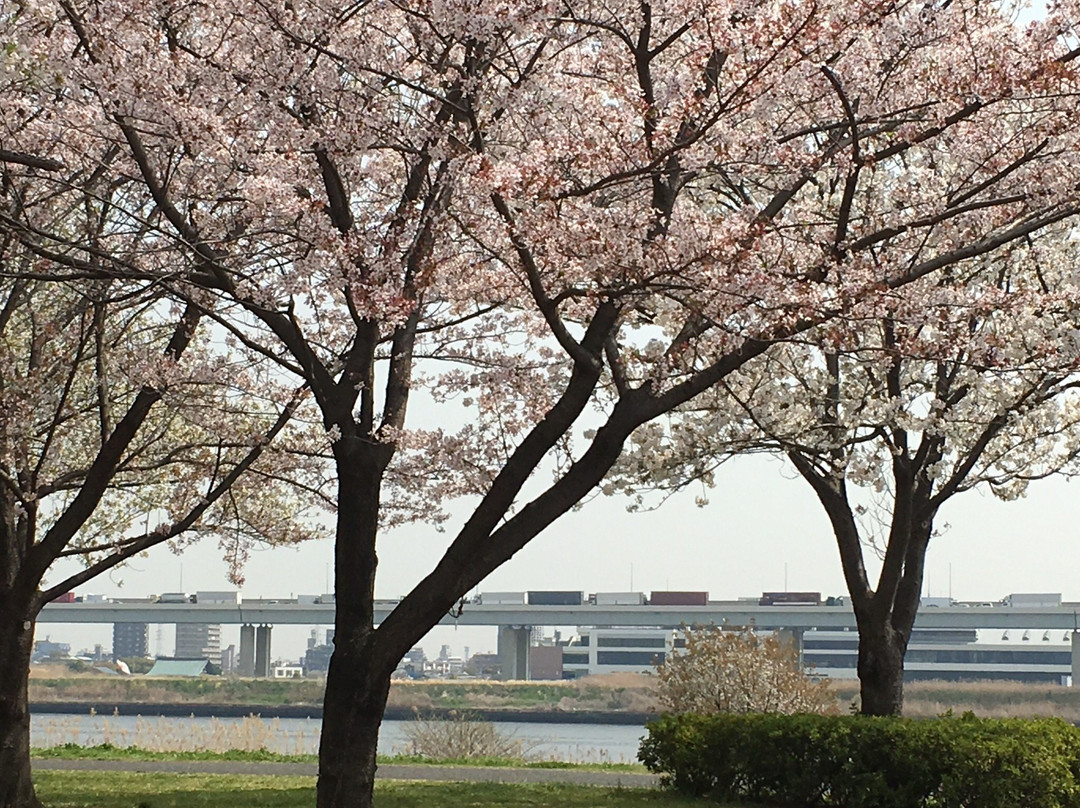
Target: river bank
[(610, 699), (611, 694), (211, 710)]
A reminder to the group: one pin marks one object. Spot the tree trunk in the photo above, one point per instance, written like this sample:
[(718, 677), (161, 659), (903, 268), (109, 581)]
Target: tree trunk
[(356, 693), (358, 680), (881, 668), (16, 645)]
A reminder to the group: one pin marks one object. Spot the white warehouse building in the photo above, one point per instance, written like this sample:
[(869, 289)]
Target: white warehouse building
[(610, 650), (943, 654)]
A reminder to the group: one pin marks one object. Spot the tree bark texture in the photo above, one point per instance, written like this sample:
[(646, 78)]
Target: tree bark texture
[(358, 680), (881, 668), (16, 645), (356, 692)]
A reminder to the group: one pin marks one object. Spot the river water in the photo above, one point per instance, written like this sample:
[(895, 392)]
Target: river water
[(579, 743)]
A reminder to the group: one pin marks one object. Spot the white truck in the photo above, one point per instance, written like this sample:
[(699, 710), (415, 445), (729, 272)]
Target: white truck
[(1033, 600), (619, 598), (501, 599), (230, 597), (935, 602)]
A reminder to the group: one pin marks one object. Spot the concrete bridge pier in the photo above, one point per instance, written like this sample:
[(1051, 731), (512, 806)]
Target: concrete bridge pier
[(254, 650), (513, 650), (246, 663), (262, 651), (795, 637)]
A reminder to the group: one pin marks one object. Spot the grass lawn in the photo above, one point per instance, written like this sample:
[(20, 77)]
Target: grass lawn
[(131, 790), (71, 751)]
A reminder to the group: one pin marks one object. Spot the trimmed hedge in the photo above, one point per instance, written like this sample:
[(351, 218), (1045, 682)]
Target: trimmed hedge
[(863, 762)]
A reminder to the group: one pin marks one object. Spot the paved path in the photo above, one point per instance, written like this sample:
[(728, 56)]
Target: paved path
[(392, 771)]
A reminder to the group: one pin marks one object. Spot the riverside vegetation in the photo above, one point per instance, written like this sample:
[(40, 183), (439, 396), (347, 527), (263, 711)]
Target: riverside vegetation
[(457, 739), (612, 693)]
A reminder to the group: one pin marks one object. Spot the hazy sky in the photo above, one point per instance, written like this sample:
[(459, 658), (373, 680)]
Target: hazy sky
[(760, 524)]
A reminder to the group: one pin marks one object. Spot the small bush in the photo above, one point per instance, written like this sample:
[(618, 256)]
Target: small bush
[(863, 762), (461, 737), (727, 671)]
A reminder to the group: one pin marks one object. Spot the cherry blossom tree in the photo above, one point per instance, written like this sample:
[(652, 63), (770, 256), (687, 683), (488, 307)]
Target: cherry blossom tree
[(117, 434), (109, 450), (887, 420), (552, 222)]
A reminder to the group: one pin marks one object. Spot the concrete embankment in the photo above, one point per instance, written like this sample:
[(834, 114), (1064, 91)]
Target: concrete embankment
[(315, 711)]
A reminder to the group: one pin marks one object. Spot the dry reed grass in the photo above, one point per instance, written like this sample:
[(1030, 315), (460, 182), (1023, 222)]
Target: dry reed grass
[(987, 699), (249, 734), (993, 699)]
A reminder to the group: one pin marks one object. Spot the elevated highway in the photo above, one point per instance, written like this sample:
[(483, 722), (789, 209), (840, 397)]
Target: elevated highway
[(515, 621), (1064, 617)]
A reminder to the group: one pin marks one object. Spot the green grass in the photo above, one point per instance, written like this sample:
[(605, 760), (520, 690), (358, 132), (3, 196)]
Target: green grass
[(71, 751), (213, 689), (131, 790)]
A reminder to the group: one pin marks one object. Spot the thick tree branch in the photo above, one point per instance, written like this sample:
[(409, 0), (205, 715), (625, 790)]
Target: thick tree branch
[(135, 545), (100, 472)]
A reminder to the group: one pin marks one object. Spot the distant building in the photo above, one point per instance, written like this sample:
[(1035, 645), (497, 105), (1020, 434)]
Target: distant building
[(608, 650), (446, 666), (316, 661), (228, 660), (953, 655), (546, 662), (179, 667), (198, 641), (130, 640), (942, 654), (46, 649), (414, 663), (484, 665)]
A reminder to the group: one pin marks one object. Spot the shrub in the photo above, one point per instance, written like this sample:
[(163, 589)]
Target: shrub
[(865, 762), (460, 736), (739, 672)]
